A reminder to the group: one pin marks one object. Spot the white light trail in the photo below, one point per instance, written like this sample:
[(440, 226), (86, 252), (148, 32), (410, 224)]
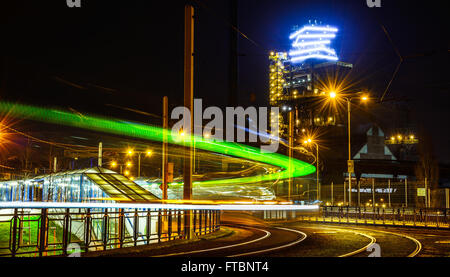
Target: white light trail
[(229, 207)]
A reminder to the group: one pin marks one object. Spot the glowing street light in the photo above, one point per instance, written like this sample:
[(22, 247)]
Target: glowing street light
[(310, 141), (363, 98), (113, 164), (130, 152)]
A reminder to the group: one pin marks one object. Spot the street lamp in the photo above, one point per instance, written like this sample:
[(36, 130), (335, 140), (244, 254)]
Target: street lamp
[(363, 98), (130, 152), (310, 141)]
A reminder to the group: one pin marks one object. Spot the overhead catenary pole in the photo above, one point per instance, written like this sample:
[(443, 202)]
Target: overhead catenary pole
[(188, 96), (189, 104), (164, 165)]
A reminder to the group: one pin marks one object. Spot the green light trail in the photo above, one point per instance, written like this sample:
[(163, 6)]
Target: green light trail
[(295, 168)]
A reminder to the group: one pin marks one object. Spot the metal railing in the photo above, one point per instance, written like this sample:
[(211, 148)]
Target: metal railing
[(47, 231), (399, 217), (408, 217)]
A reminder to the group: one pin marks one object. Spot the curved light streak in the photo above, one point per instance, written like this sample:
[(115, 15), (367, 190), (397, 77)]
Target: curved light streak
[(292, 169), (225, 207)]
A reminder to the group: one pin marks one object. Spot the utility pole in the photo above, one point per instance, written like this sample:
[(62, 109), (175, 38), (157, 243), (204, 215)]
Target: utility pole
[(426, 193), (165, 147), (189, 104)]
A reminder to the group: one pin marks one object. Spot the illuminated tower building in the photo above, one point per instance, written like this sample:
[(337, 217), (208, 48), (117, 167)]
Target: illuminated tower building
[(297, 79), (277, 84)]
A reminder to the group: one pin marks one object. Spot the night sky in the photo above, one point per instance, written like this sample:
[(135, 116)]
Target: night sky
[(130, 54)]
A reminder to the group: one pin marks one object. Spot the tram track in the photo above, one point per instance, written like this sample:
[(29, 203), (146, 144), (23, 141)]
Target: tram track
[(250, 252)]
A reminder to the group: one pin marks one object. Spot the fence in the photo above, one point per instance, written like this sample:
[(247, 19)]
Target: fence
[(404, 217), (45, 232), (387, 193)]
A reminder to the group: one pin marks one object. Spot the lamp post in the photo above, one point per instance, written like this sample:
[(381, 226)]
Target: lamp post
[(308, 141), (350, 165), (148, 153)]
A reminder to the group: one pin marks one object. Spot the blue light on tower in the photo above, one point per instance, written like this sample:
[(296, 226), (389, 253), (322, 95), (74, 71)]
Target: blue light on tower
[(313, 42)]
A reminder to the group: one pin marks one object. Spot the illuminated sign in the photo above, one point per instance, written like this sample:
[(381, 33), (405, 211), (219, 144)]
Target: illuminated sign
[(313, 42)]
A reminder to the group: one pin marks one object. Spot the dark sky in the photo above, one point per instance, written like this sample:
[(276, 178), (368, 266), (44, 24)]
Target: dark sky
[(130, 53)]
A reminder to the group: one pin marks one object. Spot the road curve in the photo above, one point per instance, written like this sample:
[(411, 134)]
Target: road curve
[(265, 236)]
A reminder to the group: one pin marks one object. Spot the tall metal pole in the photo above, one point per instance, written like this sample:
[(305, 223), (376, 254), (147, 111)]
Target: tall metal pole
[(290, 151), (389, 193), (373, 193), (164, 172), (100, 150), (447, 198), (359, 193), (317, 171), (188, 96), (349, 156), (426, 193), (406, 193), (332, 198), (139, 164), (189, 104), (345, 193)]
